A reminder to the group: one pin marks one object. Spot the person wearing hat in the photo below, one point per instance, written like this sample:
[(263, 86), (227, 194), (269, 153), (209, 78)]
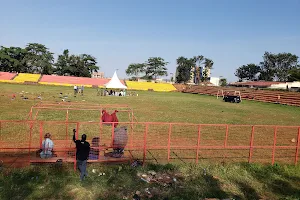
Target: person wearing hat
[(82, 154), (47, 147)]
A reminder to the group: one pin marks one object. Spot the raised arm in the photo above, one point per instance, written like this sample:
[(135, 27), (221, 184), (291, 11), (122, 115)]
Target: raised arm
[(74, 132)]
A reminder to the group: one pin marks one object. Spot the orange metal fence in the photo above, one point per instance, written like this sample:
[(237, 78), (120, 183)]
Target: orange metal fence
[(159, 141)]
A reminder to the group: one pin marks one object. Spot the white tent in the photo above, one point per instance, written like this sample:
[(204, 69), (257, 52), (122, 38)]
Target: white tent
[(115, 83)]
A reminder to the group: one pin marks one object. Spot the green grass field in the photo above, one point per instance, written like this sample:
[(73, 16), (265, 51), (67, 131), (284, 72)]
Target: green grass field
[(226, 180), (158, 106)]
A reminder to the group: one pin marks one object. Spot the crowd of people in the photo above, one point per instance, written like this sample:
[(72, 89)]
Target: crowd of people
[(115, 93), (78, 89)]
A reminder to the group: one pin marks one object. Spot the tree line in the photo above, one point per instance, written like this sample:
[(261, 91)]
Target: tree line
[(156, 66), (152, 68), (274, 67), (36, 58)]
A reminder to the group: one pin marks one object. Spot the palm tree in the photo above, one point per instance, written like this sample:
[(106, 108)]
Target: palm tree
[(208, 64), (198, 61)]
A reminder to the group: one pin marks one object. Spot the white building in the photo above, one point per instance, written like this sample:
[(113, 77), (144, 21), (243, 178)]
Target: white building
[(215, 81)]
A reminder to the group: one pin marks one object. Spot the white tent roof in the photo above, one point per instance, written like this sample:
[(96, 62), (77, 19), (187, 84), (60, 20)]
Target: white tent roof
[(115, 83)]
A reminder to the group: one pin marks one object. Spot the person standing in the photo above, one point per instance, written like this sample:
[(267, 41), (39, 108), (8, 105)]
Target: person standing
[(82, 154), (82, 87), (75, 90)]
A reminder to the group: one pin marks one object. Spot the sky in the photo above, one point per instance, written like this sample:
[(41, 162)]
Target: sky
[(120, 32)]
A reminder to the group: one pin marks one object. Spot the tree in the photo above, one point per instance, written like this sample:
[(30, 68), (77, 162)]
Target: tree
[(208, 64), (89, 63), (172, 79), (39, 59), (247, 72), (155, 66), (285, 63), (63, 63), (183, 71), (135, 69), (294, 75), (277, 66), (223, 82), (76, 65), (12, 59)]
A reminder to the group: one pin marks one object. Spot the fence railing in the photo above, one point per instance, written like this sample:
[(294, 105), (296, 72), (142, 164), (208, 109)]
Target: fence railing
[(162, 142)]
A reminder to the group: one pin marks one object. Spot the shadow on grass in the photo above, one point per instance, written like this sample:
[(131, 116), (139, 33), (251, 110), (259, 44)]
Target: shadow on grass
[(276, 178), (34, 183), (248, 191)]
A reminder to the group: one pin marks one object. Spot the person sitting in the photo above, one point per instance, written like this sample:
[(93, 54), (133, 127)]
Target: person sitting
[(94, 151), (47, 147)]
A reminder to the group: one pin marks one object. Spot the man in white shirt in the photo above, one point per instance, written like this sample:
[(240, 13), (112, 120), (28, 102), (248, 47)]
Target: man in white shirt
[(47, 147), (75, 89)]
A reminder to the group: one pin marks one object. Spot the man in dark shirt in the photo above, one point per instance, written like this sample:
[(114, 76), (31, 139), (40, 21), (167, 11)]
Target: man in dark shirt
[(82, 154)]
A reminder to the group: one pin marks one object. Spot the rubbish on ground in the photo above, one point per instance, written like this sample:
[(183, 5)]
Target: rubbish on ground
[(120, 168), (136, 163), (136, 197), (146, 180), (153, 173), (94, 171), (163, 179), (101, 174), (148, 193), (293, 140)]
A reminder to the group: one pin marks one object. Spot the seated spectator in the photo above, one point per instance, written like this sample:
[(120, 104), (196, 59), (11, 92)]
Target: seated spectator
[(94, 152), (47, 147)]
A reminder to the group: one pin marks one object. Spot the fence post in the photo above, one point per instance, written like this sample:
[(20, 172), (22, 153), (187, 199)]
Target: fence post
[(0, 130), (112, 134), (145, 143), (198, 143), (251, 145), (100, 115), (297, 147), (76, 135), (169, 141), (41, 134), (30, 114), (274, 145), (30, 138), (225, 141), (67, 118), (131, 131)]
